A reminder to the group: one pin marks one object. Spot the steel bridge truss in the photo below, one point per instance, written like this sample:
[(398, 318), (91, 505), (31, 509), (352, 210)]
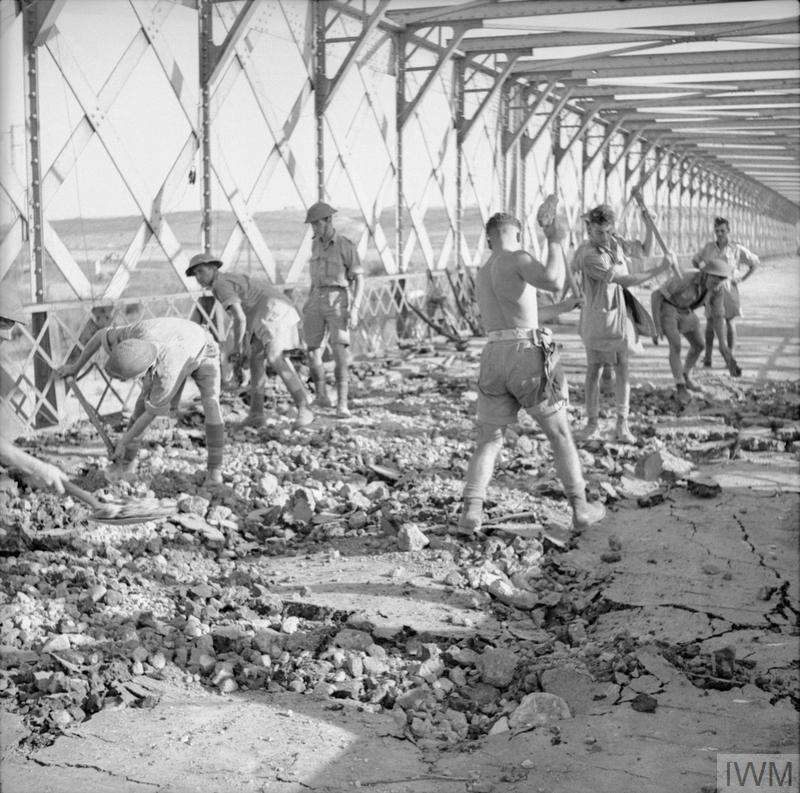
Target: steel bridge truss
[(455, 127)]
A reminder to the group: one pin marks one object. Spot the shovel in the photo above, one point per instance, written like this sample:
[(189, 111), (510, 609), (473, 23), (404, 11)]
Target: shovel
[(120, 514)]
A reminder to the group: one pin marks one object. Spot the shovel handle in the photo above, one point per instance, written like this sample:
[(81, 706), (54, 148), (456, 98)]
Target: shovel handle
[(652, 224), (93, 417), (82, 495)]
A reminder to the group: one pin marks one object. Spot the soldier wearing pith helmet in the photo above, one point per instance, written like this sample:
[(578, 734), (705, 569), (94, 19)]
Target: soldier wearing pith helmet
[(337, 286)]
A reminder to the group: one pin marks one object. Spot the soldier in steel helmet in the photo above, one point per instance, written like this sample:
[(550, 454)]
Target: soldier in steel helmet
[(673, 315), (266, 322), (40, 473), (162, 352), (337, 286)]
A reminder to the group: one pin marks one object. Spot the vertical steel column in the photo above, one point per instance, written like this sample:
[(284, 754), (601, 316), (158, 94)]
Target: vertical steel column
[(606, 170), (458, 83), (522, 99), (684, 208), (42, 372), (319, 9), (504, 120), (399, 104), (205, 43), (555, 145)]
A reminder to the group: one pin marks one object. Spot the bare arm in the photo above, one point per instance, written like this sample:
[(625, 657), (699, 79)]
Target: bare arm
[(656, 299), (239, 327), (358, 295), (43, 474), (72, 370), (751, 261), (549, 276), (636, 279), (647, 245), (135, 429), (548, 313)]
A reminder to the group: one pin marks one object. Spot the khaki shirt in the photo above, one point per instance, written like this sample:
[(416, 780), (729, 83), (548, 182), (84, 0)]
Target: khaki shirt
[(257, 298), (181, 346), (734, 253), (685, 292), (334, 263)]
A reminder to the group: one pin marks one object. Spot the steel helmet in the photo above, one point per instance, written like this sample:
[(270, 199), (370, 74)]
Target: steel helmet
[(202, 258), (718, 267), (11, 307), (318, 211), (131, 358)]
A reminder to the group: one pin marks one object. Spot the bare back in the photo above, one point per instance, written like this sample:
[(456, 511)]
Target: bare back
[(506, 300)]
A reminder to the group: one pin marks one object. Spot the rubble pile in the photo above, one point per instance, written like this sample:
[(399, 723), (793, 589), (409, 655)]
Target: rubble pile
[(93, 616)]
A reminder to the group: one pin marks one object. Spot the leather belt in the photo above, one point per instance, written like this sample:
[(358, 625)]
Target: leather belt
[(512, 333)]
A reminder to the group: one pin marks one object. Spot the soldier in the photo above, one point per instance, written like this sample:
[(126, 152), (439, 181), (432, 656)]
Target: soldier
[(604, 320), (337, 286), (263, 319), (520, 367), (41, 474), (673, 314), (736, 255), (163, 352)]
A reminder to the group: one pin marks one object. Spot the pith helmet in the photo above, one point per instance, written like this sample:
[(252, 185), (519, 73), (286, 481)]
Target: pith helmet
[(319, 211), (11, 307), (131, 358), (202, 258), (718, 267)]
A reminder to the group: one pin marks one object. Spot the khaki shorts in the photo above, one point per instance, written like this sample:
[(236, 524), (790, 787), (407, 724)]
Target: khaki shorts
[(326, 310), (678, 320), (611, 357), (730, 300), (276, 331), (512, 377)]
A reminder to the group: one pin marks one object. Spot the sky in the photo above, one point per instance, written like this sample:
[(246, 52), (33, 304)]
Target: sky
[(152, 129)]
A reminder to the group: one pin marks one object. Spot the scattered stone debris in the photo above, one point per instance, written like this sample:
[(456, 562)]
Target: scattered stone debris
[(93, 616)]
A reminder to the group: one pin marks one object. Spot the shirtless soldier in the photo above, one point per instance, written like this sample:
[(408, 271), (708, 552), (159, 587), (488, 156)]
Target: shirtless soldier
[(519, 366)]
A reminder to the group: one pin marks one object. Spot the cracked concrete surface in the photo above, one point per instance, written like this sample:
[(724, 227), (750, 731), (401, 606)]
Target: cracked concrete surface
[(694, 573), (659, 593)]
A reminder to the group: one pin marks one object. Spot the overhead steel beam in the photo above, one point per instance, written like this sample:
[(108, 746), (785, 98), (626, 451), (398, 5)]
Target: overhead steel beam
[(408, 108), (735, 140), (723, 85), (733, 125), (760, 103), (518, 8), (331, 86), (695, 62), (566, 38)]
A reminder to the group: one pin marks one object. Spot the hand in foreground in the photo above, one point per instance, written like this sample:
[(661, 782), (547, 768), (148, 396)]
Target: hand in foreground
[(352, 319), (47, 476), (555, 231), (119, 451)]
